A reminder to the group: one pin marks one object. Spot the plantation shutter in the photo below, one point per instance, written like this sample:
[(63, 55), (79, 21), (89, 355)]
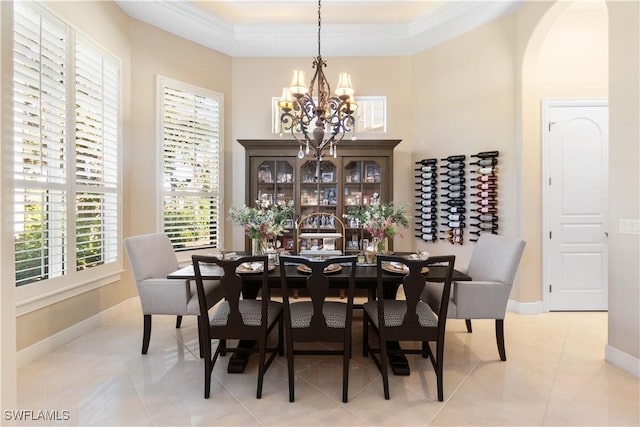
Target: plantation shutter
[(191, 132), (40, 137), (66, 143), (96, 156)]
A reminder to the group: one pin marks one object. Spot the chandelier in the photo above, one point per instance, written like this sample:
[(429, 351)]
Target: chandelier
[(331, 117)]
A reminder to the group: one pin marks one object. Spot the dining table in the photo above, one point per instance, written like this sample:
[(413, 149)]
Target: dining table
[(365, 278)]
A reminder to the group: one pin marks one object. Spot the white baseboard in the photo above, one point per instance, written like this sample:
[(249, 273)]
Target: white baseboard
[(525, 307), (42, 348), (622, 360)]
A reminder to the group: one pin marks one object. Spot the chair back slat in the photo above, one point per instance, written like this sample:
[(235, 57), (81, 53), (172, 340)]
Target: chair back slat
[(232, 284)]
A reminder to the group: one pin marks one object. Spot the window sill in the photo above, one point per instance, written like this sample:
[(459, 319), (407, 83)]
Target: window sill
[(36, 296)]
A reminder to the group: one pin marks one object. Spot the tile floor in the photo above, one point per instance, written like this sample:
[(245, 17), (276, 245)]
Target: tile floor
[(555, 375)]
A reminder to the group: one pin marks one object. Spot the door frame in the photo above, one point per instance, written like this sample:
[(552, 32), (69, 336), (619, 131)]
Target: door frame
[(546, 105)]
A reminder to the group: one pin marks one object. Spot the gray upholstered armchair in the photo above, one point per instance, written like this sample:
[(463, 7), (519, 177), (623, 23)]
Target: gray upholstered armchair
[(152, 258), (492, 268)]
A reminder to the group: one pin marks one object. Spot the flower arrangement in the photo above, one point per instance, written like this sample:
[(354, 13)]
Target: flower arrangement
[(379, 220), (261, 224)]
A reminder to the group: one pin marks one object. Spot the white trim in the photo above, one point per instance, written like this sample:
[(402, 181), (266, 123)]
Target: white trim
[(53, 293), (546, 105), (622, 360), (525, 307), (42, 348)]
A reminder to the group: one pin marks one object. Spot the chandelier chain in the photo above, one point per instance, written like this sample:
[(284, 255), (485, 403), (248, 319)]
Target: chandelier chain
[(319, 26)]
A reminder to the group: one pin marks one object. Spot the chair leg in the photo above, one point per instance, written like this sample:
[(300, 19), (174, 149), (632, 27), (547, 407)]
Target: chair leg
[(468, 323), (178, 322), (200, 336), (500, 339), (223, 347), (146, 333), (384, 370), (439, 369), (345, 368), (261, 368), (290, 367)]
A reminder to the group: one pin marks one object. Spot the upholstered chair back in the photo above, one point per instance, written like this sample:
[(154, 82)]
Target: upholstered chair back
[(495, 258), (151, 256)]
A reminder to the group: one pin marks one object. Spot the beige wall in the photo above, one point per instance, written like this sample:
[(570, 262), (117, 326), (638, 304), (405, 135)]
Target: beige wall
[(624, 177), (464, 103), (158, 53)]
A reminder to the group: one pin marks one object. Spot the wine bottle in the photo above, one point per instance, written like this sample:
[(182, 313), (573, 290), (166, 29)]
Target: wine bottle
[(425, 224), (457, 180), (487, 194), (426, 219), (485, 217), (427, 183), (485, 154), (455, 231), (487, 186), (455, 209), (454, 202), (457, 158), (455, 195), (487, 178), (487, 209), (426, 230), (486, 170), (454, 187), (486, 225), (453, 217), (427, 210), (428, 237), (453, 239), (454, 224), (426, 169), (485, 202), (424, 209), (427, 215), (489, 161), (453, 173), (427, 162), (427, 199), (426, 175), (454, 166)]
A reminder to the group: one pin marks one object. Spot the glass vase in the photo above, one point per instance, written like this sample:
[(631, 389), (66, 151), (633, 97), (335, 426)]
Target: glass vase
[(380, 245), (258, 246)]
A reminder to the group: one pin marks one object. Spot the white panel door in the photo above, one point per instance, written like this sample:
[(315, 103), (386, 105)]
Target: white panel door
[(575, 195)]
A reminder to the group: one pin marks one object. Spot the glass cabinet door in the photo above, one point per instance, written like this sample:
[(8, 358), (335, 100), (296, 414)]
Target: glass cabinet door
[(273, 183), (364, 184), (318, 187)]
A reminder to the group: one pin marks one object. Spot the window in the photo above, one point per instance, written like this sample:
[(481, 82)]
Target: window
[(66, 143), (191, 133)]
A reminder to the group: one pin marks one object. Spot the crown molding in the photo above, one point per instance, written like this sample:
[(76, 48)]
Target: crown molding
[(188, 20)]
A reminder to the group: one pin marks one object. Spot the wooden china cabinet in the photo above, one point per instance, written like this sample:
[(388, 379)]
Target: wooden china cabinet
[(361, 174)]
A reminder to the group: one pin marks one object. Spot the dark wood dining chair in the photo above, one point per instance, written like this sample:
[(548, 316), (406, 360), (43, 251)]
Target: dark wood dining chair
[(410, 319), (318, 320), (236, 318)]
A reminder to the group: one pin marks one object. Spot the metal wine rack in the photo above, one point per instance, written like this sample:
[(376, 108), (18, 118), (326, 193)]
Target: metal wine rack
[(485, 193), (453, 188), (426, 200)]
